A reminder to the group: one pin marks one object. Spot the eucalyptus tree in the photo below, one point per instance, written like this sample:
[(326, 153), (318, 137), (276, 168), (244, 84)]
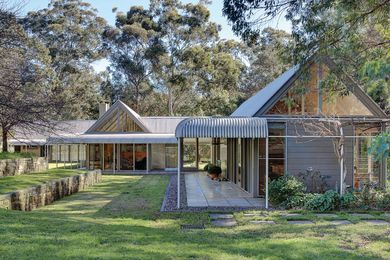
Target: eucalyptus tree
[(268, 57), (181, 26), (72, 31), (135, 51)]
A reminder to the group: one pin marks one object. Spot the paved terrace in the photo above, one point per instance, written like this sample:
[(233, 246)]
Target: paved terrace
[(203, 192)]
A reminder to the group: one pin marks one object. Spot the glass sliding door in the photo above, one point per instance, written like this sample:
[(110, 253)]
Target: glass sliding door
[(140, 157), (158, 156), (126, 157), (223, 156), (108, 156), (204, 147), (170, 156), (95, 152), (190, 153)]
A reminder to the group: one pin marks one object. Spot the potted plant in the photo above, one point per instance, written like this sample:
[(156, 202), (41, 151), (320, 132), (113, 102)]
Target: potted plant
[(214, 171)]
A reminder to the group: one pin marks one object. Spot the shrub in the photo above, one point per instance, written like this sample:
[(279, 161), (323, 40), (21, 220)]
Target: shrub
[(348, 200), (383, 200), (314, 181), (328, 201), (366, 197), (206, 167), (286, 191), (214, 169)]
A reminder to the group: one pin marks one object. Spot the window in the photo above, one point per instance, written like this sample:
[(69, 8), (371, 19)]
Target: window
[(304, 95), (95, 156), (126, 157), (366, 169), (189, 153), (276, 155), (120, 122), (140, 156), (204, 152)]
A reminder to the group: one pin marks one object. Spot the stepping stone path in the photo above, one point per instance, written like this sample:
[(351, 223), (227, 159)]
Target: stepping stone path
[(362, 215), (340, 222), (221, 216), (254, 215), (376, 222), (326, 215), (223, 220), (292, 215), (257, 222), (299, 222)]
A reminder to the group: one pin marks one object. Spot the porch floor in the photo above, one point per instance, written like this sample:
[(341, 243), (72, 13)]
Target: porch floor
[(203, 192)]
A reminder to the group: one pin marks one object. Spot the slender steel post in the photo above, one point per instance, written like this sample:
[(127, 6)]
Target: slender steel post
[(266, 172), (178, 173)]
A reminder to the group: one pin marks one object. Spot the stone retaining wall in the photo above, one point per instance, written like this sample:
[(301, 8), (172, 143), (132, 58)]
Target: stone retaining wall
[(12, 167), (45, 193)]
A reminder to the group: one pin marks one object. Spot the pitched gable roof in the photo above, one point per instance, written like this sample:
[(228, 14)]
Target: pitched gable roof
[(263, 100), (113, 111), (252, 105)]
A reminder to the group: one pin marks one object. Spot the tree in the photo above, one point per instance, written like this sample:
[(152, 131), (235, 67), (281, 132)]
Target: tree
[(216, 71), (268, 58), (72, 31), (134, 52), (353, 33), (28, 97), (181, 26)]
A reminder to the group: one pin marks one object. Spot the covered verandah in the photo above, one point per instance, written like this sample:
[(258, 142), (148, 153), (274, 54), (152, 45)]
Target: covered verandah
[(247, 164)]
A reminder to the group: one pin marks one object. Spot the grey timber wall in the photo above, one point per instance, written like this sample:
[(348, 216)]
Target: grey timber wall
[(319, 154)]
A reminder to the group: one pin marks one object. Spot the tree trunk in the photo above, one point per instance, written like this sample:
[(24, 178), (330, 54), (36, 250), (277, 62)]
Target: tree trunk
[(5, 140)]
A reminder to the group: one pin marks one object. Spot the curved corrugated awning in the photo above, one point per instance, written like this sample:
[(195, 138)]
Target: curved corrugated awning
[(223, 127)]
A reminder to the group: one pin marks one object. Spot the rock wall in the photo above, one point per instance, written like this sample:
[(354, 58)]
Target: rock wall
[(12, 167), (46, 193)]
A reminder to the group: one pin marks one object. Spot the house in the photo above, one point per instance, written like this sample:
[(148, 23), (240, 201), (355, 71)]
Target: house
[(291, 126)]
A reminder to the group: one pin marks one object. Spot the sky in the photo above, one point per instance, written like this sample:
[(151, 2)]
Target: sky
[(105, 7)]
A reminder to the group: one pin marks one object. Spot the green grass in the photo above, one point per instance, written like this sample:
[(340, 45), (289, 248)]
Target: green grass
[(4, 155), (11, 183), (119, 218)]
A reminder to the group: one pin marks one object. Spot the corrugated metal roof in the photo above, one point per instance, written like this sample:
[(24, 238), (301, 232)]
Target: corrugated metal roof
[(136, 138), (38, 137), (224, 127), (257, 101), (166, 125)]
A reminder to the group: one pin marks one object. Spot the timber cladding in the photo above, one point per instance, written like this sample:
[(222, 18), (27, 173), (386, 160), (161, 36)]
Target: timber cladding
[(13, 167), (44, 194)]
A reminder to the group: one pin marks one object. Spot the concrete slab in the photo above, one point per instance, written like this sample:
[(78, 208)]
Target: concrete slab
[(221, 216), (326, 215), (203, 192), (240, 202), (218, 203), (375, 222), (299, 222), (259, 222), (362, 215), (340, 222), (224, 223)]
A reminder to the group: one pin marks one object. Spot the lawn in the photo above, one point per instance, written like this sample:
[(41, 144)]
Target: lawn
[(4, 155), (119, 218), (11, 183)]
